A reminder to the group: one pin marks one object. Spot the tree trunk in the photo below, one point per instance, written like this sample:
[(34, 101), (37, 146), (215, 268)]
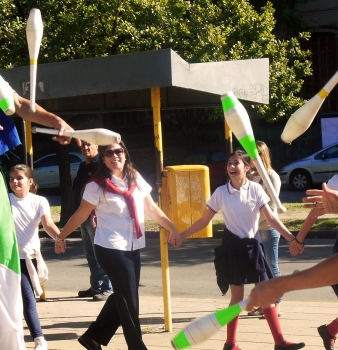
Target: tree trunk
[(65, 184)]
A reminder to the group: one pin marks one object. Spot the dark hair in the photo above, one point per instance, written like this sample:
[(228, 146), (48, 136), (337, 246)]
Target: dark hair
[(243, 155), (104, 173), (28, 173)]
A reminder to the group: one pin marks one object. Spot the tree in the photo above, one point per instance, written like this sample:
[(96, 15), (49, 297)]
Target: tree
[(199, 30)]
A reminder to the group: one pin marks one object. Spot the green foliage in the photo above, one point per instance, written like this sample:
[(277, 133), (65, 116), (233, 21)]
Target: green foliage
[(199, 30)]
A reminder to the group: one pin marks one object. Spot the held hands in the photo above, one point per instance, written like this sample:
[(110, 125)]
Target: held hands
[(60, 245), (296, 247), (175, 239)]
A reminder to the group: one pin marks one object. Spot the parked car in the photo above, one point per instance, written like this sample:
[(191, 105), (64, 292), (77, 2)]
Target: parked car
[(46, 169), (215, 159), (314, 169)]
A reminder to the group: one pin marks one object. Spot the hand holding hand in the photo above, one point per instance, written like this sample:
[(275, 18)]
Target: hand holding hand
[(60, 245), (57, 249), (296, 247), (175, 239)]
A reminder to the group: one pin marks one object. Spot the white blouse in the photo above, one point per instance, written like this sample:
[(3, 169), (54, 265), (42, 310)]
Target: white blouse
[(115, 229)]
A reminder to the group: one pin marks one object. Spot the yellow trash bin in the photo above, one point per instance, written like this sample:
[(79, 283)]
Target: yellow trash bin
[(185, 192)]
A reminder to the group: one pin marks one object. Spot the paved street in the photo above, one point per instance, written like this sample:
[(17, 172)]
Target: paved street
[(194, 259), (192, 273), (194, 294)]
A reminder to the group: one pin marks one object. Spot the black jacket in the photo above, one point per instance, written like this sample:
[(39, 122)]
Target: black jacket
[(83, 175)]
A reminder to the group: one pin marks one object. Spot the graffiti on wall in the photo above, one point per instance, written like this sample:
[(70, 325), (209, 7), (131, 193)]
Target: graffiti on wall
[(256, 92), (25, 86)]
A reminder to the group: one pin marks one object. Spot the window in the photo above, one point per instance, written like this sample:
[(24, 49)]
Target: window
[(218, 157), (47, 161), (332, 152), (73, 158), (197, 158), (324, 62)]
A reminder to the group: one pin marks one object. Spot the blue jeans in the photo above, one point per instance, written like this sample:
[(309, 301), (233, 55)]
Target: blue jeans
[(30, 312), (270, 240), (98, 278)]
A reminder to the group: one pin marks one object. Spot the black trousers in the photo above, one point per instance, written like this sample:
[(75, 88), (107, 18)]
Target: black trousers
[(122, 307)]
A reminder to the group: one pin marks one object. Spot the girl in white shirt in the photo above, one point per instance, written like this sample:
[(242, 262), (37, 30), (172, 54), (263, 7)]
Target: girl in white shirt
[(240, 259), (28, 210), (120, 196)]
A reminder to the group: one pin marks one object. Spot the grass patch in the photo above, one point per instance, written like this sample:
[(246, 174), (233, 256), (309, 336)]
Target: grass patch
[(55, 209), (295, 208), (320, 224)]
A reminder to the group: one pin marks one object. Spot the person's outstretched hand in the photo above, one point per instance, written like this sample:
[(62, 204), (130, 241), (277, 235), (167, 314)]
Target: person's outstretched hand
[(265, 293), (64, 140), (325, 201)]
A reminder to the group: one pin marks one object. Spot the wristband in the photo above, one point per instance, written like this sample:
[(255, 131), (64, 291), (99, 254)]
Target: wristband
[(293, 239), (59, 239), (301, 243)]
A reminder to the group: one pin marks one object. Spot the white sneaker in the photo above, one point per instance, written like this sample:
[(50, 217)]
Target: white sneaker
[(40, 343)]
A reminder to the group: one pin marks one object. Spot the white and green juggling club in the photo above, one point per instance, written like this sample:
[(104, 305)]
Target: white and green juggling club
[(238, 121), (6, 97), (204, 327)]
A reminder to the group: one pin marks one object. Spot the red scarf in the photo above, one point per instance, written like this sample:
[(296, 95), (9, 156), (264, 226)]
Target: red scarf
[(128, 197)]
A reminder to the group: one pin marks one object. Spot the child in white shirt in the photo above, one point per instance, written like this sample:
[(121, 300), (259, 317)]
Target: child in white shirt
[(28, 210)]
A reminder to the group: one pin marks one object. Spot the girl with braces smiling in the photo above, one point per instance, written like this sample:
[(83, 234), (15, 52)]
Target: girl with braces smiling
[(240, 259)]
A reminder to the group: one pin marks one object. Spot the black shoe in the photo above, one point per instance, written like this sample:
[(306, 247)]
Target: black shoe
[(328, 339), (292, 346), (88, 293), (103, 296), (88, 343), (230, 347)]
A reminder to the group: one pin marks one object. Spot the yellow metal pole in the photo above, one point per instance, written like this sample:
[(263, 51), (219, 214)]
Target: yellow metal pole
[(156, 105), (228, 138), (29, 142)]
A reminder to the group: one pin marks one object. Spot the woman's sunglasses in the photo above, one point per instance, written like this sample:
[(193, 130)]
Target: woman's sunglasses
[(110, 152)]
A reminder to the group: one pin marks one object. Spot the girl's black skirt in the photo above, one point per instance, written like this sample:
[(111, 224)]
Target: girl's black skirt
[(240, 261)]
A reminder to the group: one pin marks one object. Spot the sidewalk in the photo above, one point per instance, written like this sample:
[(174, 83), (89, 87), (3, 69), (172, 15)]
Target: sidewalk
[(65, 317)]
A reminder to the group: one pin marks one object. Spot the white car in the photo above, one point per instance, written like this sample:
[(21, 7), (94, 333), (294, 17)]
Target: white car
[(46, 169), (314, 169)]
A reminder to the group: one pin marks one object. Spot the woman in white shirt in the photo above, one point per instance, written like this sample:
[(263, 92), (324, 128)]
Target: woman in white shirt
[(120, 196)]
